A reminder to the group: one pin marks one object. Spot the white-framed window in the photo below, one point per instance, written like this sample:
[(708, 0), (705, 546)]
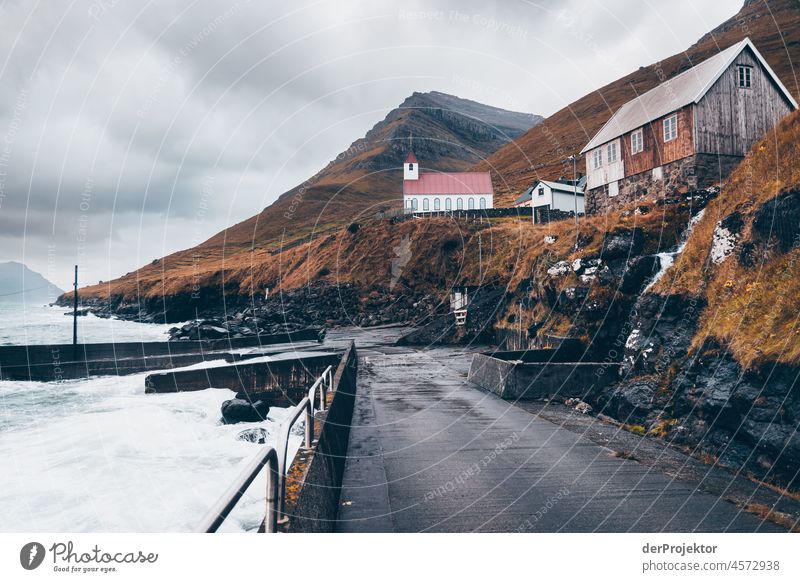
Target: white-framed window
[(425, 205), (408, 204), (414, 203), (541, 190), (743, 76), (637, 141), (613, 152), (437, 204), (448, 203), (459, 204), (597, 158), (670, 127), (471, 203), (483, 203)]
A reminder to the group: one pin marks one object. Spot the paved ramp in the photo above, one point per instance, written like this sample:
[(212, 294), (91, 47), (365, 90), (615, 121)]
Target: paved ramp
[(430, 452)]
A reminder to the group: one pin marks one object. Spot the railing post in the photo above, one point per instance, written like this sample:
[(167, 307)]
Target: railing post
[(309, 425), (271, 517)]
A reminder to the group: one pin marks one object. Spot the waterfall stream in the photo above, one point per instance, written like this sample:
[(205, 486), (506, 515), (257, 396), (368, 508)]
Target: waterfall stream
[(665, 261)]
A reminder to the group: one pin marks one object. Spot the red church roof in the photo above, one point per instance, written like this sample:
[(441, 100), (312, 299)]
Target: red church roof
[(411, 158), (450, 183)]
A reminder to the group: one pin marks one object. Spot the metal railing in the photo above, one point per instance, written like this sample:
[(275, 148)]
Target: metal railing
[(276, 461)]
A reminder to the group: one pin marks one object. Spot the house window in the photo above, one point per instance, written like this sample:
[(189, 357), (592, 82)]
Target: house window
[(437, 204), (483, 203), (743, 76), (410, 167), (541, 190), (612, 152), (471, 203), (597, 158), (670, 127), (414, 203), (448, 203), (459, 204), (408, 203), (637, 142), (425, 205)]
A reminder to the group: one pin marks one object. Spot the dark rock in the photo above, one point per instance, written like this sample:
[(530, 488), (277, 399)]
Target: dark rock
[(733, 223), (631, 401), (207, 331), (571, 299), (79, 313), (747, 419), (625, 242), (584, 240), (661, 332), (258, 436), (484, 306), (242, 410), (748, 254), (779, 220), (638, 272)]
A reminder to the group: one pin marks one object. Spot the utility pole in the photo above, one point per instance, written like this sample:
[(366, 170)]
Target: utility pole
[(75, 309), (480, 260), (575, 185)]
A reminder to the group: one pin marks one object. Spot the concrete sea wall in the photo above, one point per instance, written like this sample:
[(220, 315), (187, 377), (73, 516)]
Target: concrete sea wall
[(51, 362), (317, 503), (513, 378)]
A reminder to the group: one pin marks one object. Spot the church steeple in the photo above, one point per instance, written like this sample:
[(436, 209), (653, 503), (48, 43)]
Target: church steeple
[(411, 167)]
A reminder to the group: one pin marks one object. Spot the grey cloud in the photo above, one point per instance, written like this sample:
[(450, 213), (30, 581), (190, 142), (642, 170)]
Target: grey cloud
[(143, 102)]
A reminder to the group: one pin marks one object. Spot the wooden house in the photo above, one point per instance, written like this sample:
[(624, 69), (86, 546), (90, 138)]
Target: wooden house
[(689, 132)]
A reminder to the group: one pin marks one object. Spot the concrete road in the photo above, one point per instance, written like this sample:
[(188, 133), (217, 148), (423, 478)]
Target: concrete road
[(429, 452)]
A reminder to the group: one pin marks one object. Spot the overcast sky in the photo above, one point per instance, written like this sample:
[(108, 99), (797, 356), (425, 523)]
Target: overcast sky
[(132, 129)]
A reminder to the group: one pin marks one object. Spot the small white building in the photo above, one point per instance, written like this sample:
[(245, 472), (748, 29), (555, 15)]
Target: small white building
[(425, 192), (553, 195)]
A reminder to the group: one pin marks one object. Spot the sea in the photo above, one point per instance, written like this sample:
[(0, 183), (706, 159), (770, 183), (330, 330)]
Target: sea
[(100, 455)]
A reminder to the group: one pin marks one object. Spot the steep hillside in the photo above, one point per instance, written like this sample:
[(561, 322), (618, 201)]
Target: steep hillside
[(448, 134), (772, 25)]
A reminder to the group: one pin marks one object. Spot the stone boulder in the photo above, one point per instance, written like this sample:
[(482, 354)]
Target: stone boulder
[(778, 220), (257, 436), (624, 242), (241, 410)]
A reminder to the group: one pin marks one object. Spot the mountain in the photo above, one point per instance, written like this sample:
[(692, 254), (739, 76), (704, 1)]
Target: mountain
[(18, 283), (774, 28), (448, 134)]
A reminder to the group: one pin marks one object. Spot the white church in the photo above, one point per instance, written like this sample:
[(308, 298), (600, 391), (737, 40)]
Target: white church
[(444, 191)]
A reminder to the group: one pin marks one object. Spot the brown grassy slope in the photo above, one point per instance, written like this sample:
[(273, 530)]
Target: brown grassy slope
[(772, 25), (753, 310), (444, 252)]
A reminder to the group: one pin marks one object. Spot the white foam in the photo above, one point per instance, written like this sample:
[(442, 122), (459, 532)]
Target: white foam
[(100, 455)]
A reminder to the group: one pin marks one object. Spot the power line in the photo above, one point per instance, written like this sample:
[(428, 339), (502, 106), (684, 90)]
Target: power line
[(25, 290)]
